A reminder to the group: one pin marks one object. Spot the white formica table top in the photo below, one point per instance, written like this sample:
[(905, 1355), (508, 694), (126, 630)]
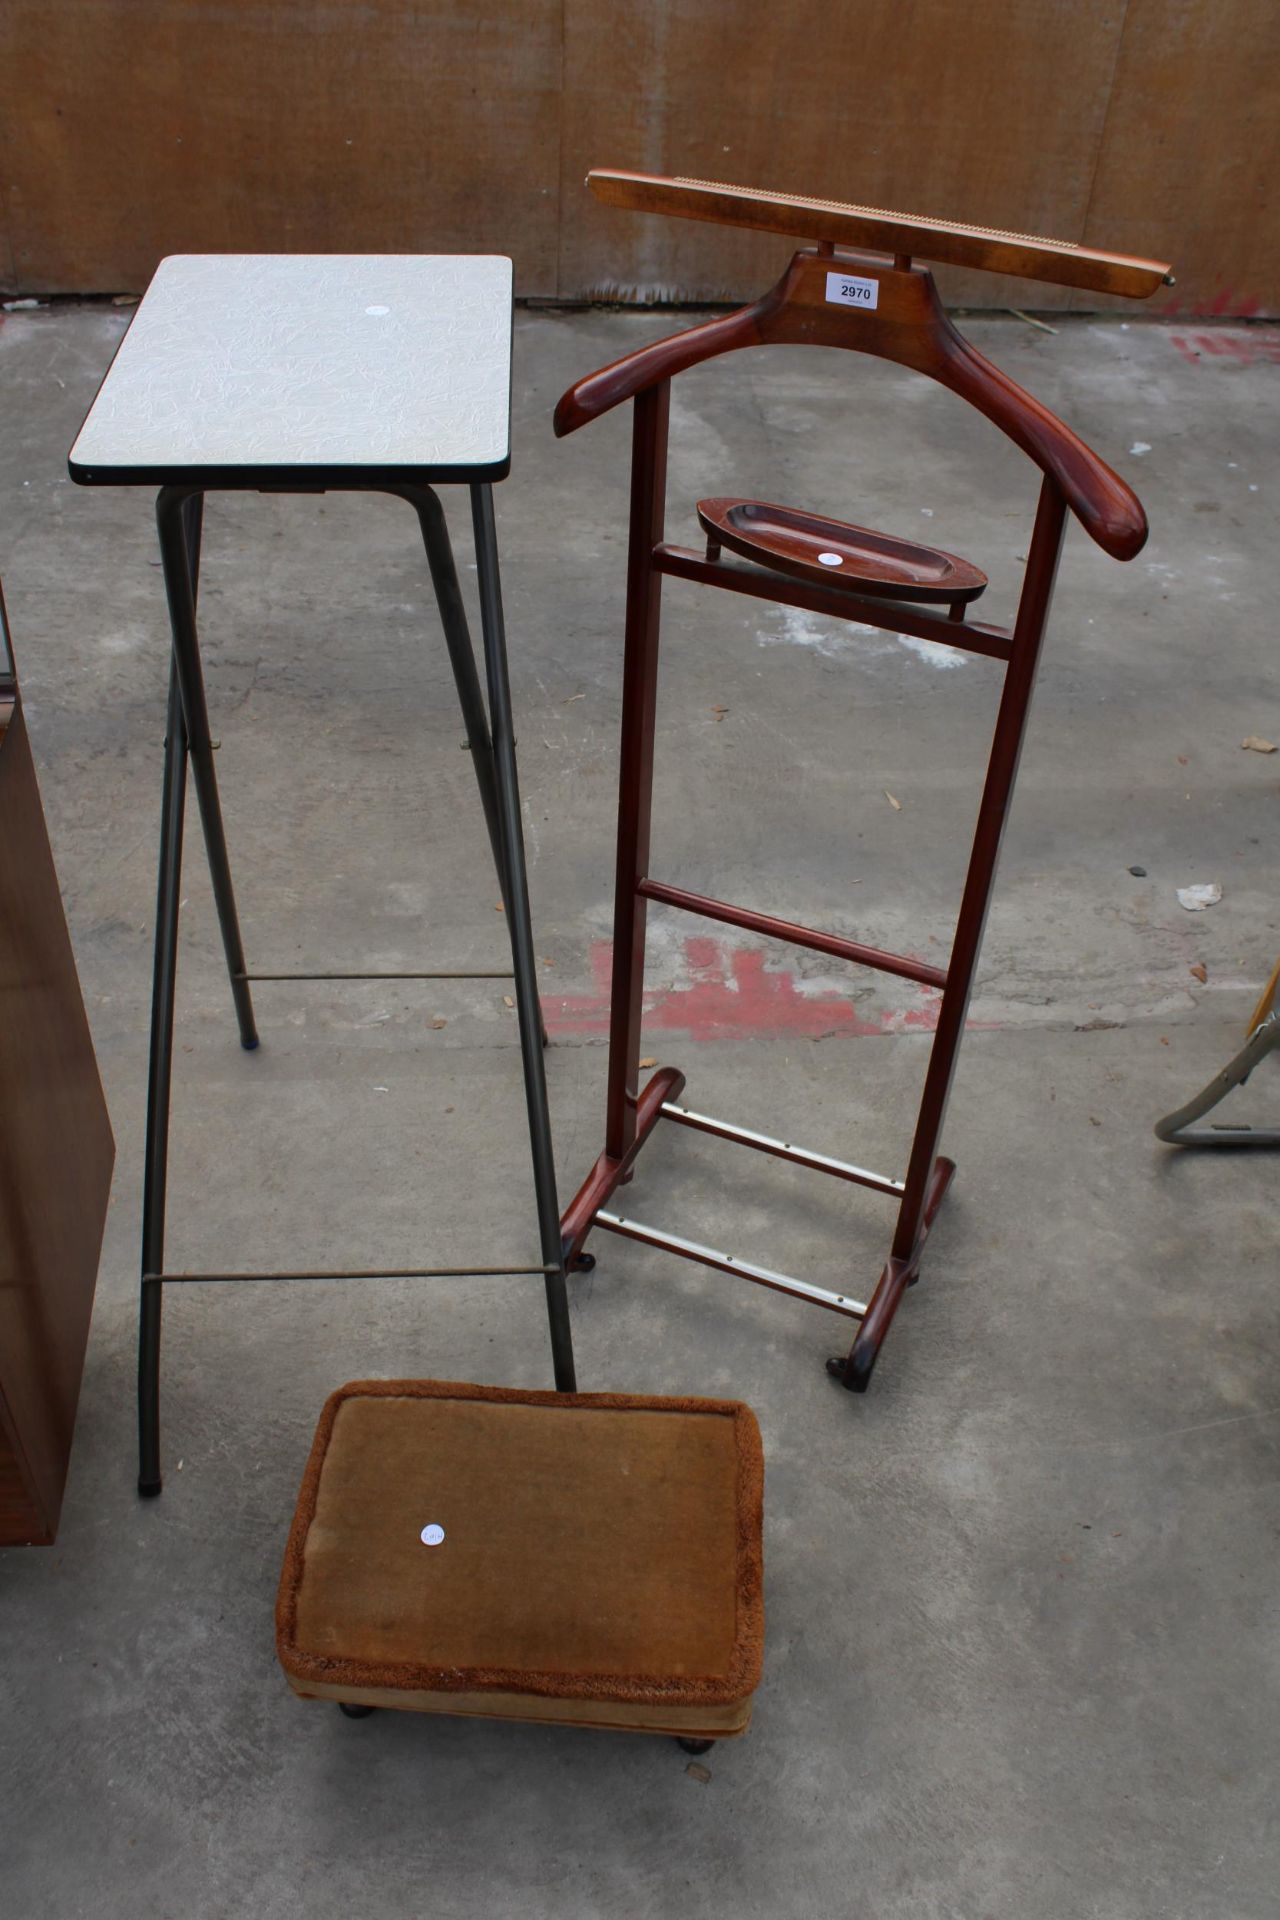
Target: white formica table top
[(239, 367)]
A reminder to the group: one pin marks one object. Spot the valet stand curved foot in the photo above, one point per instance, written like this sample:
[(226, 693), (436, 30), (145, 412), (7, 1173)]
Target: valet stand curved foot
[(853, 1370), (888, 308)]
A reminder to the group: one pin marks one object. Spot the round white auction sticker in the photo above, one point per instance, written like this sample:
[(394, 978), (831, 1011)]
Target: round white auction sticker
[(431, 1536)]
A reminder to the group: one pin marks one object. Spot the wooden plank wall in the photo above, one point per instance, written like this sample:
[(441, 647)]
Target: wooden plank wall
[(1191, 150), (130, 129), (134, 128)]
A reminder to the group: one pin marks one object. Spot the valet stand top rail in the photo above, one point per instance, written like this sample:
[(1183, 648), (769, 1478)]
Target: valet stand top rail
[(889, 309), (841, 223)]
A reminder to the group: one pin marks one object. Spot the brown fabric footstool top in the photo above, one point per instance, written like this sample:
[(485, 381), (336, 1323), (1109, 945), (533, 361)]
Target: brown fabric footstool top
[(584, 1557)]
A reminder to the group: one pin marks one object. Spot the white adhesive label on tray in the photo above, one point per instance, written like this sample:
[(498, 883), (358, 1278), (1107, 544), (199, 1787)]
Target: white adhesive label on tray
[(843, 290)]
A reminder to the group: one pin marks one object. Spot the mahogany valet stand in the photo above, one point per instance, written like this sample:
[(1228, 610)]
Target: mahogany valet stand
[(888, 308)]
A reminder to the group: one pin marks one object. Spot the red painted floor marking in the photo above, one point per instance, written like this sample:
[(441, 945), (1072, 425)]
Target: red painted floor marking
[(729, 992), (1259, 345), (1223, 306)]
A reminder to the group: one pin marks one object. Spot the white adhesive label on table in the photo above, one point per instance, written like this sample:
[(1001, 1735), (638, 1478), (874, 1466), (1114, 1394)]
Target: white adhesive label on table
[(845, 290), (432, 1536)]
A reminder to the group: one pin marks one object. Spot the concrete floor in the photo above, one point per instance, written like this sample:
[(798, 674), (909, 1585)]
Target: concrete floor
[(1021, 1654)]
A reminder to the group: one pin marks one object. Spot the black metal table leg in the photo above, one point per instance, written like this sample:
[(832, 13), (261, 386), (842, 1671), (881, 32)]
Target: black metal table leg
[(172, 511), (457, 633), (520, 931), (160, 1066), (179, 517), (156, 1153)]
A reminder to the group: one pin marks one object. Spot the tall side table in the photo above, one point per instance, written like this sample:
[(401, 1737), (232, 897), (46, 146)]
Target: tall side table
[(311, 374)]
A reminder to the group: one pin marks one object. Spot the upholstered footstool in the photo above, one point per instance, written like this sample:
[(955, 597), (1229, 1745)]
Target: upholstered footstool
[(587, 1558)]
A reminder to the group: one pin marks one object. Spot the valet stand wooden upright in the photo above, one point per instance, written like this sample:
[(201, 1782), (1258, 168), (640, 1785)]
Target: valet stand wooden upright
[(888, 307)]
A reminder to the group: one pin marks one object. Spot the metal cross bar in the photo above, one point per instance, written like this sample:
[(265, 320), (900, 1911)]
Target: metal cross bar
[(483, 973), (781, 1149), (355, 1273), (729, 1263)]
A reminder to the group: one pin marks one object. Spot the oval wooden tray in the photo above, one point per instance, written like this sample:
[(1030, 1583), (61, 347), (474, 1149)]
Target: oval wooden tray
[(812, 547)]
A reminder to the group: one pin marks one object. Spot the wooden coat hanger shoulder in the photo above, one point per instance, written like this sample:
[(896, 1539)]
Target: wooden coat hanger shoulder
[(868, 305)]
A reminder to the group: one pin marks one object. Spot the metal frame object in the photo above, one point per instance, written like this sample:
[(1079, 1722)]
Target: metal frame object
[(890, 311), (1264, 1037), (179, 515)]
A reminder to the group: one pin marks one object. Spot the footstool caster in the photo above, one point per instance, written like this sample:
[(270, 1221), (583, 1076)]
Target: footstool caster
[(354, 1711), (695, 1746), (584, 1263)]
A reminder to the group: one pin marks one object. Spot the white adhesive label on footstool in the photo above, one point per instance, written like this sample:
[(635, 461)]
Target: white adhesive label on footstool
[(432, 1536)]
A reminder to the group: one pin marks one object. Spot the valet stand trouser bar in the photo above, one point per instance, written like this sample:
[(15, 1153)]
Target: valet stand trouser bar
[(631, 1113), (179, 515)]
